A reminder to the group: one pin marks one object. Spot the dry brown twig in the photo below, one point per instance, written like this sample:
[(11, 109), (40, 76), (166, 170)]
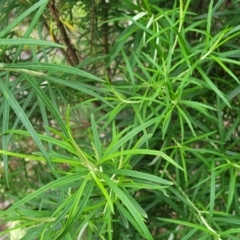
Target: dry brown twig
[(71, 53)]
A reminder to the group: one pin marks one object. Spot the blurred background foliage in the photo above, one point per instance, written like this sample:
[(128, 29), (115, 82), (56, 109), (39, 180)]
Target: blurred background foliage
[(128, 87)]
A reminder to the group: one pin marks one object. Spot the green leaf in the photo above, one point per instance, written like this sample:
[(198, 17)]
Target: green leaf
[(42, 96), (24, 119), (77, 206), (51, 68), (103, 189), (28, 41), (213, 87), (58, 183), (21, 17), (191, 225), (125, 200), (139, 175), (96, 139)]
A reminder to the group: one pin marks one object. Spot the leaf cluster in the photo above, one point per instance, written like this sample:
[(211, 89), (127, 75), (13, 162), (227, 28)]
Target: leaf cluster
[(138, 139)]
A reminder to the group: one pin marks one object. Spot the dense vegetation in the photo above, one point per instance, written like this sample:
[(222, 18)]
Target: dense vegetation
[(120, 119)]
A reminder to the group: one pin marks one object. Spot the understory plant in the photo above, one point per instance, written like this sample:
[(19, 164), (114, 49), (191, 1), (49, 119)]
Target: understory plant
[(120, 119)]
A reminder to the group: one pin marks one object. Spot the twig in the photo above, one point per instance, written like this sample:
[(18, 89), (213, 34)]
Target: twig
[(71, 53), (105, 32)]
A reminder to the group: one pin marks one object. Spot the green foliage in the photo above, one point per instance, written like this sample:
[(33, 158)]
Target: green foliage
[(120, 120)]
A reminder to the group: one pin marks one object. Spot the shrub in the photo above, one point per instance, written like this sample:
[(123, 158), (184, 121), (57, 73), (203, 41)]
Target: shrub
[(120, 120)]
